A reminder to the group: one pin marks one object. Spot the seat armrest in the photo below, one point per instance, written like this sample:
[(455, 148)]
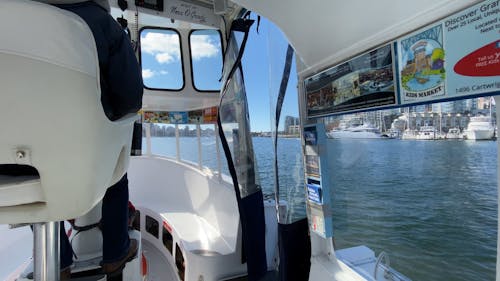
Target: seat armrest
[(127, 119)]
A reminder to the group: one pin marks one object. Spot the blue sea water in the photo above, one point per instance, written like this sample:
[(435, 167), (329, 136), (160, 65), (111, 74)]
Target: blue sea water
[(431, 205)]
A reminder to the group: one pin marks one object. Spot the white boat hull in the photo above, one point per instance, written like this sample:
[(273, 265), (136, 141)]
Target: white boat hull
[(409, 136), (426, 137), (353, 135), (479, 134)]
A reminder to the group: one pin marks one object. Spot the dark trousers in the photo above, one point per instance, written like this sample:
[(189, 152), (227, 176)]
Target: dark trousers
[(114, 222)]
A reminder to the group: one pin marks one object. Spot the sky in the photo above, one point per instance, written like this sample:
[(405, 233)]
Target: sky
[(263, 64)]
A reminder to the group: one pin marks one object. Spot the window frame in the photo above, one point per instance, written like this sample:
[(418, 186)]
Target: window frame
[(151, 229), (181, 58), (191, 58)]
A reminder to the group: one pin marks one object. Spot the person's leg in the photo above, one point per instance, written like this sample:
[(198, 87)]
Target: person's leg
[(114, 221), (66, 251)]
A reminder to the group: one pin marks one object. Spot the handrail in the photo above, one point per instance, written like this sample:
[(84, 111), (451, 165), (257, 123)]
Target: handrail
[(177, 156), (381, 256)]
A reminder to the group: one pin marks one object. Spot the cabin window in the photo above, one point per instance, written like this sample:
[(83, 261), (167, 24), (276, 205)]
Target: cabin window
[(209, 140), (206, 59), (167, 238), (179, 262), (152, 226), (136, 224), (161, 59), (416, 189), (188, 143), (163, 140)]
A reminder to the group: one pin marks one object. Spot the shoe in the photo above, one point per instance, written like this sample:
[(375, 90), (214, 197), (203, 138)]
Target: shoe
[(65, 274), (114, 268)]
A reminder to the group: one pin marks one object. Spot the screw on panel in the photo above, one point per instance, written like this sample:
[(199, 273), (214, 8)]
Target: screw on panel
[(20, 154)]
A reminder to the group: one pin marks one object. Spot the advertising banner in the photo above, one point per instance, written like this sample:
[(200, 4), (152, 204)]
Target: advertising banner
[(421, 66), (164, 117), (366, 81), (456, 57), (473, 50), (210, 115), (178, 117), (314, 191)]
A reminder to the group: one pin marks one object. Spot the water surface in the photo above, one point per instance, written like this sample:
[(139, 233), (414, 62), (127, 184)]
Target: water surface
[(431, 205)]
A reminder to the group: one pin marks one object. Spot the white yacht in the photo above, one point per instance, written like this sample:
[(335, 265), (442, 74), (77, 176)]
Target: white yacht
[(409, 134), (365, 131), (427, 133), (454, 133), (195, 222), (479, 128)]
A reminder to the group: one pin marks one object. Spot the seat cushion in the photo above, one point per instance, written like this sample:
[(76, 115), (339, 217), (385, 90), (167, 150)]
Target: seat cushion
[(197, 235)]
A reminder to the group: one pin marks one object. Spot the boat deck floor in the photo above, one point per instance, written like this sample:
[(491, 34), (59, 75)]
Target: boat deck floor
[(157, 271), (270, 276)]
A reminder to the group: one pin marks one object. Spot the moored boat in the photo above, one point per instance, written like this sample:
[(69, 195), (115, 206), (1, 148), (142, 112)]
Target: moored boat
[(454, 133), (479, 128)]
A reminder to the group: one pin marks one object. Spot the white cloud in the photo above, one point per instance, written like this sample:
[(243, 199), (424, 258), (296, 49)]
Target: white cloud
[(164, 58), (203, 46), (165, 47), (147, 73)]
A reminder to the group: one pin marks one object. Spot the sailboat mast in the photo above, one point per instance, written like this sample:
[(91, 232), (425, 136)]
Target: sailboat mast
[(491, 121), (440, 120)]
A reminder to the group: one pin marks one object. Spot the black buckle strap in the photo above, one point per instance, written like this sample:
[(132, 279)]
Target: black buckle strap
[(86, 227)]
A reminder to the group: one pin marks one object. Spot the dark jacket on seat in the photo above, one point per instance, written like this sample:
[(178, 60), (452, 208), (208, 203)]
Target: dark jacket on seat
[(121, 76)]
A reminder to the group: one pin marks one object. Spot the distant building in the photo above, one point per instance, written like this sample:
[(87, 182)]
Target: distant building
[(483, 103), (291, 125), (420, 108), (443, 107), (293, 130), (470, 105)]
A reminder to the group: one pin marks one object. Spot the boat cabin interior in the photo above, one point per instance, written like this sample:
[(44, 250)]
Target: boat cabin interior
[(201, 209)]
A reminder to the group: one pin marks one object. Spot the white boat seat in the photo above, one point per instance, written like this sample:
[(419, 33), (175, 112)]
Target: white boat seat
[(52, 116), (201, 211), (197, 235)]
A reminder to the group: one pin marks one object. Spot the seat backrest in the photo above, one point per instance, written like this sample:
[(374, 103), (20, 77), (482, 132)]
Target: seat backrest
[(52, 118)]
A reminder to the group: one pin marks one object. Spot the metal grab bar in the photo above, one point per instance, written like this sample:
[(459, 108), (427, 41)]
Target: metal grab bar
[(381, 256)]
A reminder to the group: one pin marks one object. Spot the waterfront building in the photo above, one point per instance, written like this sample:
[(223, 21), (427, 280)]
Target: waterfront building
[(292, 125), (293, 130)]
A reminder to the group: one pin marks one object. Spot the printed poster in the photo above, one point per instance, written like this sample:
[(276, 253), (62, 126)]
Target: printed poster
[(421, 68), (312, 165), (457, 58), (311, 141), (366, 81), (178, 117), (321, 223), (156, 117), (210, 115), (473, 50), (314, 191), (195, 117)]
